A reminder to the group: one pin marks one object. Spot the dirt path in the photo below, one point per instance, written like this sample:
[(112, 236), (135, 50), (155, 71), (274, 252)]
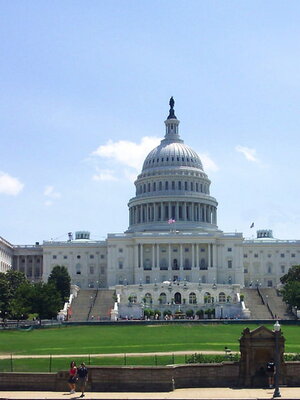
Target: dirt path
[(159, 353)]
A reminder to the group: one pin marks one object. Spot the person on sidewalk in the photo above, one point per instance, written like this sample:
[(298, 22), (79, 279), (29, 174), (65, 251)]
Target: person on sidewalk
[(72, 377), (271, 372), (82, 373)]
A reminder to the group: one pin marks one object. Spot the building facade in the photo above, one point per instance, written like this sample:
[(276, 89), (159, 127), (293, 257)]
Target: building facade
[(172, 239)]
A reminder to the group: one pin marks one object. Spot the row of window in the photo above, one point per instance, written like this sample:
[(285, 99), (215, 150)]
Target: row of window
[(282, 255), (192, 298), (167, 159), (78, 256), (173, 185)]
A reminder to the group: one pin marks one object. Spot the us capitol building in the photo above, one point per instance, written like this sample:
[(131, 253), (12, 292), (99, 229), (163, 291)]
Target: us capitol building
[(173, 250)]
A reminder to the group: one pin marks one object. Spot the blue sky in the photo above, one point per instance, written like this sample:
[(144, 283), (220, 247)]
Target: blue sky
[(84, 92)]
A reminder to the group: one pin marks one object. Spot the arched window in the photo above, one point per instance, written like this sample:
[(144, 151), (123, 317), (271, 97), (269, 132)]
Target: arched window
[(162, 298), (222, 297), (175, 264), (177, 298), (207, 297), (148, 298), (192, 298), (133, 298)]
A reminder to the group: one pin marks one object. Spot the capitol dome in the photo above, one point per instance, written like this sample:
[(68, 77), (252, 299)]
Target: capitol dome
[(172, 187)]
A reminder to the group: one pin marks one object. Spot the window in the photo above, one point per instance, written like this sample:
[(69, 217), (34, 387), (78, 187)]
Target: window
[(187, 264), (185, 186), (102, 256), (173, 185), (78, 256), (293, 255), (91, 255), (162, 298), (282, 255), (167, 185), (245, 270), (229, 249), (186, 249), (92, 270), (78, 269), (65, 257), (256, 255), (192, 298), (282, 269), (229, 263), (148, 279), (202, 250), (54, 258), (270, 283), (120, 250), (179, 185), (222, 297), (202, 263), (245, 255)]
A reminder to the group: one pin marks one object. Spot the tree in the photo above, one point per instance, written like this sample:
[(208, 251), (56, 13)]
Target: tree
[(293, 274), (44, 300), (4, 293), (291, 289), (60, 278)]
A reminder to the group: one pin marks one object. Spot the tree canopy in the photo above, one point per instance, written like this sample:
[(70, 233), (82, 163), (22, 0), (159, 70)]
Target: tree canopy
[(60, 278), (291, 289)]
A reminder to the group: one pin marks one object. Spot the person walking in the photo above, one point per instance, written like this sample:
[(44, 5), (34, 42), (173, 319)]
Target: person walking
[(82, 373), (72, 377)]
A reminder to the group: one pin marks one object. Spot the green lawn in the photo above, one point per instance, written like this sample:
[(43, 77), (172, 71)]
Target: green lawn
[(132, 339)]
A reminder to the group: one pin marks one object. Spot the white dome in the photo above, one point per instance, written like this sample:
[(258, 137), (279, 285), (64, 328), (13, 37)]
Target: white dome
[(172, 153)]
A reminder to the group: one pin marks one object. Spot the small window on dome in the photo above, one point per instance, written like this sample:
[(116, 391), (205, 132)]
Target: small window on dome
[(187, 159), (167, 158), (157, 160), (179, 185), (153, 161), (162, 160), (182, 158), (172, 158), (177, 158)]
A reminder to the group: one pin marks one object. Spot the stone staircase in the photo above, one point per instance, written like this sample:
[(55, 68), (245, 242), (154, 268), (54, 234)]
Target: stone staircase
[(254, 302), (277, 306), (81, 305), (102, 305)]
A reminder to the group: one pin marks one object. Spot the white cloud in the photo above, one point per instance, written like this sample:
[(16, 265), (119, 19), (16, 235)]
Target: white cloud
[(104, 175), (50, 194), (10, 185), (208, 163), (250, 154), (127, 153)]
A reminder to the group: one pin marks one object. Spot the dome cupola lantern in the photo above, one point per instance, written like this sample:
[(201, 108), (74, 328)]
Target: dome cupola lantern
[(172, 123)]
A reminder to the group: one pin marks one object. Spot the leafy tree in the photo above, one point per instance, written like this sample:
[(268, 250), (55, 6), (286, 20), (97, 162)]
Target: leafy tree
[(4, 293), (293, 274), (15, 279), (60, 278), (44, 300), (291, 289)]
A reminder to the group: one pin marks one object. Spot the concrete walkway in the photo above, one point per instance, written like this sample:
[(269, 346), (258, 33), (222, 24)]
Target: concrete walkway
[(85, 356), (178, 394)]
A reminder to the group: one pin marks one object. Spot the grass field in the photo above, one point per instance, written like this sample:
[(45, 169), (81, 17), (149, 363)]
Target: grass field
[(132, 339)]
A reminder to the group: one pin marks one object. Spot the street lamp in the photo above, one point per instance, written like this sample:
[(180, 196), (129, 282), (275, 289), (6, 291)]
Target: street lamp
[(277, 359)]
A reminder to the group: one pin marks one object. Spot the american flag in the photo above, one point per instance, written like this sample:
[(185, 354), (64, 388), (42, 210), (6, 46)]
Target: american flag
[(171, 221)]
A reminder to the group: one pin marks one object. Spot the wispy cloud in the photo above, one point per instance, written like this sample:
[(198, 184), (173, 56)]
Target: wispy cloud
[(127, 153), (250, 154), (51, 194), (104, 175), (10, 185)]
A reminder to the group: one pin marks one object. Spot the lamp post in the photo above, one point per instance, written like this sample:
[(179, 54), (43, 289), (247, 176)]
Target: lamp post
[(277, 359)]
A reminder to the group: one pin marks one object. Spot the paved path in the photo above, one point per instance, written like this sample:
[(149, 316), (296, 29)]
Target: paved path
[(159, 353), (178, 394)]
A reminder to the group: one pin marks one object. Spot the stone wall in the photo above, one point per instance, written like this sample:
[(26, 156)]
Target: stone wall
[(141, 379)]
